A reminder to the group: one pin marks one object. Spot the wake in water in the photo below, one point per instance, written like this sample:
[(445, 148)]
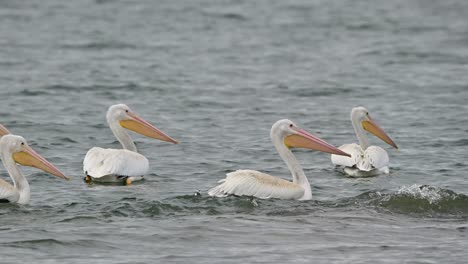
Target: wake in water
[(414, 201)]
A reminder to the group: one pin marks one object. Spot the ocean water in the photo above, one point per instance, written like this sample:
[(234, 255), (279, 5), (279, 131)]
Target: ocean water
[(216, 75)]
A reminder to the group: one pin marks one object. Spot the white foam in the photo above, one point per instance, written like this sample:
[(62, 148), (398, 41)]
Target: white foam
[(429, 193)]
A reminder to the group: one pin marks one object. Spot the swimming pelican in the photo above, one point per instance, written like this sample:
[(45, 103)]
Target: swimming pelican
[(3, 131), (121, 165), (365, 160), (14, 149), (285, 135)]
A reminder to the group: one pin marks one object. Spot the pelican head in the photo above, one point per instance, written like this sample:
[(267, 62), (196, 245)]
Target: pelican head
[(360, 115), (26, 156), (294, 137), (3, 131), (123, 115)]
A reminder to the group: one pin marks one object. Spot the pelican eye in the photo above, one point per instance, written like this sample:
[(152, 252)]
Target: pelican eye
[(126, 111), (22, 143), (291, 125)]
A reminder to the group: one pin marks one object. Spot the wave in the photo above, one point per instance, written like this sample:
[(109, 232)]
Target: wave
[(415, 200), (34, 243), (419, 200)]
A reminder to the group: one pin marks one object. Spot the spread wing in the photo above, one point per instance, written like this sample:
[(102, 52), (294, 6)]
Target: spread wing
[(8, 192), (354, 150), (257, 184), (100, 162)]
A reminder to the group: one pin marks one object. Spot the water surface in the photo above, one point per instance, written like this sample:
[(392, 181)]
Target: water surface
[(216, 75)]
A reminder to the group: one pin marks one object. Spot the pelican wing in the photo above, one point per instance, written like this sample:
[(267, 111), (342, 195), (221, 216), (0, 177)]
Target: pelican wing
[(100, 162), (373, 157), (354, 150), (8, 192), (376, 157), (257, 184)]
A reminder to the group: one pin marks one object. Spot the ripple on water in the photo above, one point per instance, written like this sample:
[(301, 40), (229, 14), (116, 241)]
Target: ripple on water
[(63, 244), (27, 92), (109, 45), (325, 91)]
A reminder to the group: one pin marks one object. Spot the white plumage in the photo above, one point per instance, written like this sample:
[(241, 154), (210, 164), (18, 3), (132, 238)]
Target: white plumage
[(257, 184), (365, 160), (100, 162), (362, 163), (8, 192), (13, 150), (285, 135), (121, 165)]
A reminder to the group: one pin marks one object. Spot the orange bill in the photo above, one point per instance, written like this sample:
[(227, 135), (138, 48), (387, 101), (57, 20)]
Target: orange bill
[(373, 128), (29, 157), (3, 131), (144, 128), (304, 139)]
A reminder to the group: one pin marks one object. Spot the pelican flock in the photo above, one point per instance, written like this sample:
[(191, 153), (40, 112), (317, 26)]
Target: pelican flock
[(127, 165), (14, 149), (285, 135), (365, 160), (121, 165)]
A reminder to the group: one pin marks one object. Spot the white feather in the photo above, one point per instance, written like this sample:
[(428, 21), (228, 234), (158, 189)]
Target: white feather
[(376, 156), (8, 192), (368, 160), (354, 150), (365, 160), (101, 162), (257, 184)]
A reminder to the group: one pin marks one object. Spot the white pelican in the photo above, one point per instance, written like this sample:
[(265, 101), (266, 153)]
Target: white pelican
[(285, 135), (3, 131), (14, 149), (121, 165), (365, 160)]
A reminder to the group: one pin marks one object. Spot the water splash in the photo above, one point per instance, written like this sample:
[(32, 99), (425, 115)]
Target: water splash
[(423, 200), (426, 192)]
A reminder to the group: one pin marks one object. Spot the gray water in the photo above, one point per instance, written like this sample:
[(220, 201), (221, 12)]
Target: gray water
[(216, 75)]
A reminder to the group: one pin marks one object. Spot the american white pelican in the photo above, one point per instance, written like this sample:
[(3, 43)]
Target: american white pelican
[(365, 160), (14, 149), (121, 165), (285, 135), (3, 131)]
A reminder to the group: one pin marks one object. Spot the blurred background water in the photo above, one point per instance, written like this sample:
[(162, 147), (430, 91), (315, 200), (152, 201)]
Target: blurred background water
[(216, 75)]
